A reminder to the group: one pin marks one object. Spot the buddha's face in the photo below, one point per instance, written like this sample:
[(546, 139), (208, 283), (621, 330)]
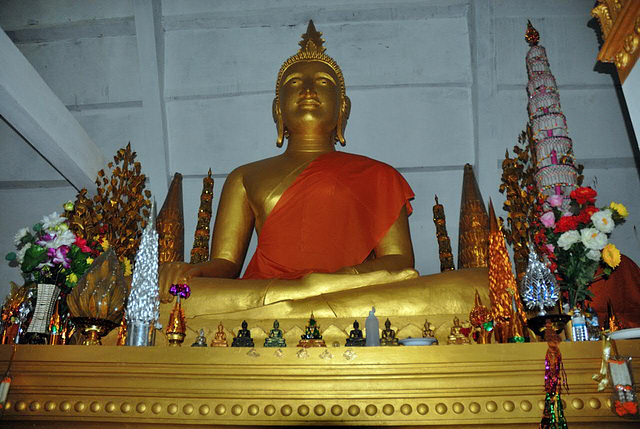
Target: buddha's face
[(310, 98)]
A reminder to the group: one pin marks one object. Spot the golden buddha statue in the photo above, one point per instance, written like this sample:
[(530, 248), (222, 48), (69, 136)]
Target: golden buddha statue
[(328, 241), (388, 335), (220, 338)]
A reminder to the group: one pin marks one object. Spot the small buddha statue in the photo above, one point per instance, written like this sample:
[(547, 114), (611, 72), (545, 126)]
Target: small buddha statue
[(388, 335), (275, 338), (428, 329), (243, 339), (362, 262), (311, 336), (456, 336), (220, 338), (201, 340), (356, 339)]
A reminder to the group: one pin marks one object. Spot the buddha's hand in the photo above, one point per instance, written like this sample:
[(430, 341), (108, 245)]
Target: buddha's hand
[(175, 273)]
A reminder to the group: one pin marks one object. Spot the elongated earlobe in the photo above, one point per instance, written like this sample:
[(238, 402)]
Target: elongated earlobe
[(277, 118), (345, 109)]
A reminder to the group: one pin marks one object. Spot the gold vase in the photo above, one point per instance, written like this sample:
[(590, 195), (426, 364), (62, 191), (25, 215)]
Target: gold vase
[(96, 303)]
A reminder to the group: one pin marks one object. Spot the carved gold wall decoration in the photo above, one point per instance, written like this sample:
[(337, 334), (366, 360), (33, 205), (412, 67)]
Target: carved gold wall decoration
[(473, 234), (620, 24), (444, 243), (200, 250), (170, 224)]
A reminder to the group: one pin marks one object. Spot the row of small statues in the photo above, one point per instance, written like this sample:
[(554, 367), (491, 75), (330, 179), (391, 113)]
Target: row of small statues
[(313, 338)]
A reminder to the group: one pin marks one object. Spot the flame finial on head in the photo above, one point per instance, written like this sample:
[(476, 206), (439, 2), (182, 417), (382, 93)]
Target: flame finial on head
[(532, 36)]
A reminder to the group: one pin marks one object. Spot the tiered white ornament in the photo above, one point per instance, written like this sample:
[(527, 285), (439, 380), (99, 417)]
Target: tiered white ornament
[(143, 308)]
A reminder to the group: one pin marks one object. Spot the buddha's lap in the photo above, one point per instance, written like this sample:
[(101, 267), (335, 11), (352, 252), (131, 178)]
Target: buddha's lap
[(446, 293)]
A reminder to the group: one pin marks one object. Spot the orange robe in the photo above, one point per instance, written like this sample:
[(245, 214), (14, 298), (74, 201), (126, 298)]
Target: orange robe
[(623, 289), (332, 216)]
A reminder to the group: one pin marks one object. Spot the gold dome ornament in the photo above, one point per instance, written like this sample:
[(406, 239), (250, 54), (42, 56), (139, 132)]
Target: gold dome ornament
[(177, 326), (531, 36)]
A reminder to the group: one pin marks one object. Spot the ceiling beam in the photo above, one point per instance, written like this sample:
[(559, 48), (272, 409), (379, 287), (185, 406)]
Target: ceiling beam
[(32, 109), (154, 149)]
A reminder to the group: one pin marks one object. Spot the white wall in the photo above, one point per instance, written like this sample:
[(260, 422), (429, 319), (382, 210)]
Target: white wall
[(434, 85)]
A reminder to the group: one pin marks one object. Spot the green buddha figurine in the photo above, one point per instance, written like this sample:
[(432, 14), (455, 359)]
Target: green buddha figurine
[(275, 338), (356, 339), (388, 335), (243, 339), (311, 336)]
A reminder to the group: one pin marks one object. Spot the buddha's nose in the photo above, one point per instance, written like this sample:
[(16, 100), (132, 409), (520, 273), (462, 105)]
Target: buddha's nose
[(308, 90)]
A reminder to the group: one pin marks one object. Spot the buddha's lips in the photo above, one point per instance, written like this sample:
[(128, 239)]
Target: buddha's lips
[(309, 102)]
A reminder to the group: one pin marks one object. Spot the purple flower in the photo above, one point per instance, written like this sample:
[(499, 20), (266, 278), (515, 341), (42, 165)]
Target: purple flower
[(548, 219), (59, 256), (44, 239), (555, 200)]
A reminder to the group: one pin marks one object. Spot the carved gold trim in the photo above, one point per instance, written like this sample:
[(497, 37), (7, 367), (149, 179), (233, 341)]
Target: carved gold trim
[(620, 24), (473, 385)]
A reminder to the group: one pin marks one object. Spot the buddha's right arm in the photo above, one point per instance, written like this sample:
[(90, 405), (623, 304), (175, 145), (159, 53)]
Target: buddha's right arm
[(231, 235)]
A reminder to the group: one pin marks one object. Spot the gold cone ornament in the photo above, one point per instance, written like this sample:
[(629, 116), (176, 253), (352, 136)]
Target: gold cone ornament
[(444, 243), (502, 283), (480, 319), (474, 224), (170, 224), (200, 250)]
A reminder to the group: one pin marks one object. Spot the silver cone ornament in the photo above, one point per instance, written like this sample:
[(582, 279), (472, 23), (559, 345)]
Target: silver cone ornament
[(538, 287)]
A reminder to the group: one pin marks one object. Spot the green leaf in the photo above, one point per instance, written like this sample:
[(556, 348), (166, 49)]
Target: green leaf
[(37, 227), (11, 256), (34, 256)]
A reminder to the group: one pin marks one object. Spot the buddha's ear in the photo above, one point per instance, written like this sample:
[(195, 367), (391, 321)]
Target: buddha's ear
[(343, 116), (277, 118)]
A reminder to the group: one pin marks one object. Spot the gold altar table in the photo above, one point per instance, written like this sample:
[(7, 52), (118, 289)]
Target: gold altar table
[(496, 385)]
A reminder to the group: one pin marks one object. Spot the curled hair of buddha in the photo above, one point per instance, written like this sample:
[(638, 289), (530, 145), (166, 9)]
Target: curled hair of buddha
[(312, 49)]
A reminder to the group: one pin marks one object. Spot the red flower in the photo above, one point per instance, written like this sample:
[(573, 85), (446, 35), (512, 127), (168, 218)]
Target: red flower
[(583, 195), (553, 267), (82, 244), (585, 215), (566, 223)]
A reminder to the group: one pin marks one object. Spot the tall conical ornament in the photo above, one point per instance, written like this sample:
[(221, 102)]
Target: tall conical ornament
[(444, 243), (502, 282), (170, 224), (538, 286), (144, 300), (200, 249), (474, 224), (556, 170)]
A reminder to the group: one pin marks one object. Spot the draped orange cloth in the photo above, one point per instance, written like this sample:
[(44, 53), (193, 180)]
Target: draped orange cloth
[(332, 216), (623, 289)]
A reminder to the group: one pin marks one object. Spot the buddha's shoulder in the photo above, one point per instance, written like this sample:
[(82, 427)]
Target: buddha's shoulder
[(253, 168), (360, 161)]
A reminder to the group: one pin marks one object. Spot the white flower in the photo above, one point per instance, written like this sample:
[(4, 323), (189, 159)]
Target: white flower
[(21, 253), (20, 235), (49, 223), (567, 239), (594, 255), (603, 221), (593, 239), (63, 238)]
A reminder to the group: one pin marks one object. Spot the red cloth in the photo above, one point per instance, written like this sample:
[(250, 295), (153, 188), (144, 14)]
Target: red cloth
[(332, 216), (623, 288)]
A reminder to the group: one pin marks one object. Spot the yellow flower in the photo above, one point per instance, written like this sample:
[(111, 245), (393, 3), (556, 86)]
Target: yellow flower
[(72, 278), (611, 255), (127, 267), (105, 244), (621, 209), (89, 261)]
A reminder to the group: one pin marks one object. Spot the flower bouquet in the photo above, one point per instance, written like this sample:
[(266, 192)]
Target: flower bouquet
[(51, 259), (574, 235)]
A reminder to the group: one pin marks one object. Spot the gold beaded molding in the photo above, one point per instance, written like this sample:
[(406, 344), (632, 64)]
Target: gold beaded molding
[(620, 24), (473, 385)]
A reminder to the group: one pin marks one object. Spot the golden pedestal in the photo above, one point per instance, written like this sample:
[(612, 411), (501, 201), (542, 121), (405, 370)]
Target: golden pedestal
[(494, 385)]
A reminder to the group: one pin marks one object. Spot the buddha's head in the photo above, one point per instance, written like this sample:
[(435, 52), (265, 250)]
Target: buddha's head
[(310, 92)]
